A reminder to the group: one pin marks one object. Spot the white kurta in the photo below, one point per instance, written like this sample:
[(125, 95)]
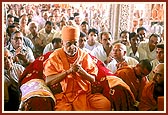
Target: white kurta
[(145, 53), (130, 61), (99, 53)]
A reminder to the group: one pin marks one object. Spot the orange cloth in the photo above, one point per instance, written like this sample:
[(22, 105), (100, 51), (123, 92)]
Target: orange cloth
[(75, 96), (127, 74), (114, 88), (147, 101), (70, 33)]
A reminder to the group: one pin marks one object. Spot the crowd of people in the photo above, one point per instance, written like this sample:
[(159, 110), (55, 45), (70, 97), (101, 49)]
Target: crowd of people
[(55, 61)]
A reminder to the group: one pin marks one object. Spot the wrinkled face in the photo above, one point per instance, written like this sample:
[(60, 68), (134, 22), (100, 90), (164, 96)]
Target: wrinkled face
[(17, 40), (48, 28), (106, 40), (158, 76), (140, 71), (70, 47), (8, 61), (124, 38), (160, 55), (81, 42), (117, 52), (33, 28)]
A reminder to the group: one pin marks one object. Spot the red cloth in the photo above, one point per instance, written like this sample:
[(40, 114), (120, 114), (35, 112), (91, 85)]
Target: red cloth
[(34, 70)]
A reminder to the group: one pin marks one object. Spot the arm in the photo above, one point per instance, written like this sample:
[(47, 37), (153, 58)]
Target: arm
[(56, 78), (78, 68)]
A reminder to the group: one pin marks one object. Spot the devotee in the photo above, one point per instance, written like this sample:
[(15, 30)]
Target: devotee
[(119, 58), (135, 77), (22, 54), (147, 50), (102, 52), (75, 70), (12, 72), (92, 39), (153, 90)]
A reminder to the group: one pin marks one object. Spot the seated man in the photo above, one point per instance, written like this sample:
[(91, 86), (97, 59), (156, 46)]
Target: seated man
[(135, 77), (152, 90), (119, 58), (12, 73), (75, 70)]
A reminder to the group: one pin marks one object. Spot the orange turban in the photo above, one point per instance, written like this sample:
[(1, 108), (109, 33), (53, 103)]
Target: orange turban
[(70, 33)]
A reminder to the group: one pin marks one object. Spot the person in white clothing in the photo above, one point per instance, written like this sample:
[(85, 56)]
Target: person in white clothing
[(55, 44), (147, 50), (92, 40), (119, 58), (102, 52), (132, 50)]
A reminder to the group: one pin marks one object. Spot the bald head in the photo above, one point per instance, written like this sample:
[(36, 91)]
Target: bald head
[(158, 76)]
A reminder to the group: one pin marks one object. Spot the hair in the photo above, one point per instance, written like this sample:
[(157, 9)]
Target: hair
[(56, 40), (82, 34), (104, 33), (10, 16), (131, 35), (160, 46), (146, 64), (140, 28), (93, 30), (125, 31), (155, 35), (84, 22), (49, 23), (16, 33)]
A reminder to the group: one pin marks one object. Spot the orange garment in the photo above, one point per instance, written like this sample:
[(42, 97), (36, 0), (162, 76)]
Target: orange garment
[(147, 101), (136, 85), (114, 88), (75, 95)]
